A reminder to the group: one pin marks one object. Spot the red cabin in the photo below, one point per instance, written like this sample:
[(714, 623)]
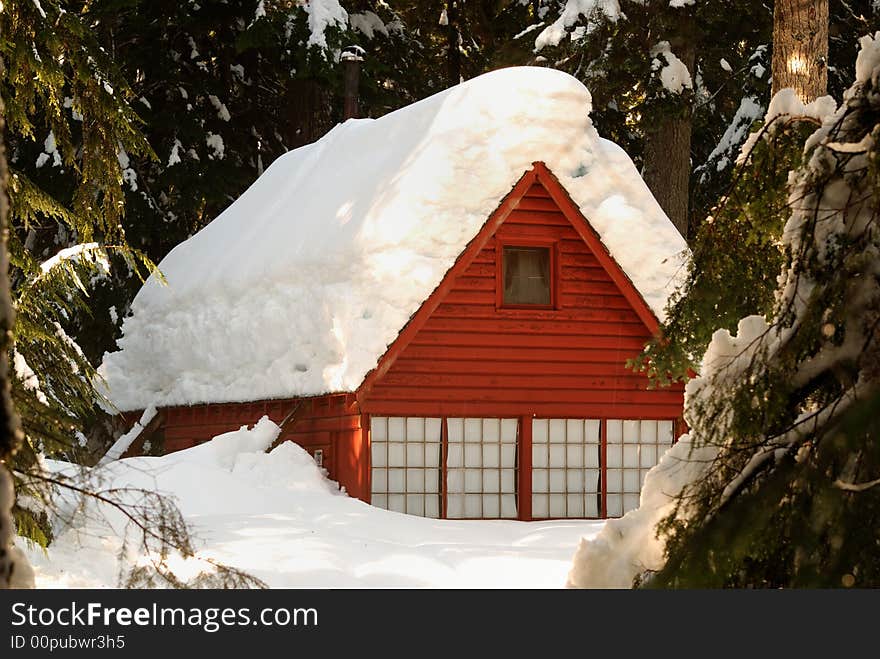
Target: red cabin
[(505, 395)]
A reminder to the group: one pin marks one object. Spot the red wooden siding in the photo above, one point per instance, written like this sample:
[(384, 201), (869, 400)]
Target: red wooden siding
[(473, 358), (330, 423)]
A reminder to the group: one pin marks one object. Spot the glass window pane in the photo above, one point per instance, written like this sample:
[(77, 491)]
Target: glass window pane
[(539, 431), (575, 505), (526, 273), (397, 503), (592, 508), (508, 455), (396, 480), (614, 428), (631, 432), (615, 480), (540, 483), (631, 456), (648, 456), (539, 456), (473, 481), (396, 455), (557, 430), (379, 428), (509, 428), (432, 455), (540, 505), (492, 430), (415, 455), (415, 504), (378, 451), (631, 481), (664, 432), (455, 506), (575, 455), (491, 506), (380, 482), (415, 480), (454, 456), (592, 480), (415, 429), (557, 505), (472, 455), (396, 429), (473, 430), (491, 480), (432, 430), (575, 431), (491, 455), (455, 429), (473, 507), (613, 456), (508, 505), (649, 432)]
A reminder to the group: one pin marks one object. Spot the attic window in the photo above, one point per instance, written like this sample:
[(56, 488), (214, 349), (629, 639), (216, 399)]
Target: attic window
[(526, 273)]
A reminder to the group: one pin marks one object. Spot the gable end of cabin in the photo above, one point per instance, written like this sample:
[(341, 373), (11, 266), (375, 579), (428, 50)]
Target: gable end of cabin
[(522, 346)]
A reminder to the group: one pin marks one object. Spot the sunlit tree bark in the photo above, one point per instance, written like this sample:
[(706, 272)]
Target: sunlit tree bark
[(800, 47)]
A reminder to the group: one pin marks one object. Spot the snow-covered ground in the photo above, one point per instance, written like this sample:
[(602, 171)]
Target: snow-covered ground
[(275, 516)]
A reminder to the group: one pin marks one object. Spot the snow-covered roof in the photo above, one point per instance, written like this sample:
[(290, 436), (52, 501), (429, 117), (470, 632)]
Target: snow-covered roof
[(301, 284)]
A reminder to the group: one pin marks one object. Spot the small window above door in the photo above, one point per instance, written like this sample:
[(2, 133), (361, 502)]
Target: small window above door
[(526, 276)]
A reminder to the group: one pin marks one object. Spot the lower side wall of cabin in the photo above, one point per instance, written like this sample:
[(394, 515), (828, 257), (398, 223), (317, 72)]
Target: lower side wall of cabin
[(328, 427), (471, 462)]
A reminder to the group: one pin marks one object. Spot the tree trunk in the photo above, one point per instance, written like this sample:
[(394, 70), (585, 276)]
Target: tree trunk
[(309, 112), (453, 50), (667, 157), (800, 47), (14, 570)]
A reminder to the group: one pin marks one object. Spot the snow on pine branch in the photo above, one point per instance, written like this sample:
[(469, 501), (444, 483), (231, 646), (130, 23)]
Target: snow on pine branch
[(591, 11), (674, 75), (776, 388), (571, 14), (91, 252), (323, 14)]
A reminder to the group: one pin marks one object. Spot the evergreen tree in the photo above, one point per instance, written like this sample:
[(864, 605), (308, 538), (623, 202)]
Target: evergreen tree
[(666, 78), (69, 127), (726, 284), (793, 497), (13, 567)]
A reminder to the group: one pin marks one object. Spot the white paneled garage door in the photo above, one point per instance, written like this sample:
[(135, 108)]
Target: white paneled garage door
[(406, 464), (566, 468), (481, 468), (633, 448), (467, 468)]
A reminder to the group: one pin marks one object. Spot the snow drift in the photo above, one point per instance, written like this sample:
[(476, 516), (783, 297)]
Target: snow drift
[(277, 517), (302, 283)]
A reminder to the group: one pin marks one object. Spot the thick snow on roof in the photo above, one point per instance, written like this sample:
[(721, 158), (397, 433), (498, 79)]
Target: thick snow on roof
[(301, 284)]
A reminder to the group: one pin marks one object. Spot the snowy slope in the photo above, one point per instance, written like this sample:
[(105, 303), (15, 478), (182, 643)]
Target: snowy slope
[(301, 284), (277, 517)]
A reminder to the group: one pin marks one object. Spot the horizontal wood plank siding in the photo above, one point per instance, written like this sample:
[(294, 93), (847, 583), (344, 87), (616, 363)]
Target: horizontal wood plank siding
[(330, 423), (472, 358)]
